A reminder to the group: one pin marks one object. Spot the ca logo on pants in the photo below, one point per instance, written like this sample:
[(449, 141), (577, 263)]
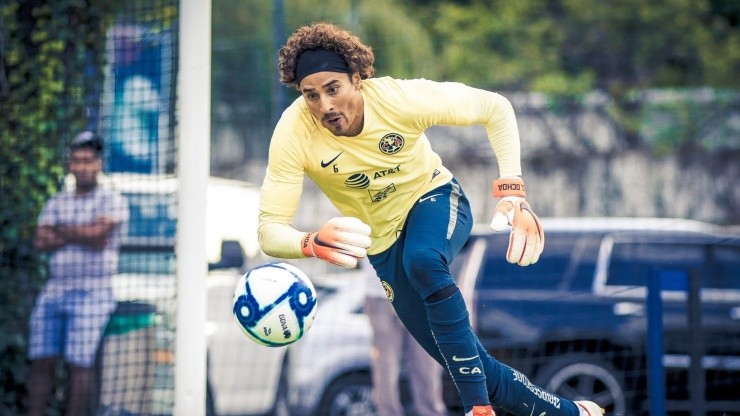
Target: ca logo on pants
[(470, 370)]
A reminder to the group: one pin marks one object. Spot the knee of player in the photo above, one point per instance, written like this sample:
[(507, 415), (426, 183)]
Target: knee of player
[(424, 262)]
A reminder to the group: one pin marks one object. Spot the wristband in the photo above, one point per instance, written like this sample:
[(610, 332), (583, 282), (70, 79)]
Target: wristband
[(503, 187)]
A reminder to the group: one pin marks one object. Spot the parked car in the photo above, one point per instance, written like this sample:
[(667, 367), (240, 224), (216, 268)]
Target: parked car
[(576, 321)]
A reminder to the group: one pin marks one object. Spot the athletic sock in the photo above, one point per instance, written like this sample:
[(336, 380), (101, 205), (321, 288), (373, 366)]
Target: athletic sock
[(513, 392), (475, 378), (450, 325)]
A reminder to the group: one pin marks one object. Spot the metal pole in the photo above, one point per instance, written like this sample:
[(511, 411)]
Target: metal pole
[(193, 162), (279, 95), (696, 372), (656, 378)]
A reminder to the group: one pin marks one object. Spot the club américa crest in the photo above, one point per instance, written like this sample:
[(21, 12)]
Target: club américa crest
[(391, 143)]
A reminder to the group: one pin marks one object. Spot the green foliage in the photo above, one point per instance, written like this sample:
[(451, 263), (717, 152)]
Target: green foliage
[(403, 48), (498, 45), (48, 49)]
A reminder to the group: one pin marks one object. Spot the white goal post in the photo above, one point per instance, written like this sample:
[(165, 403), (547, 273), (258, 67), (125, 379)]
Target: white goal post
[(194, 125)]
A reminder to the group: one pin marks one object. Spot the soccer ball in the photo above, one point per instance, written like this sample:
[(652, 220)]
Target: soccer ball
[(274, 304)]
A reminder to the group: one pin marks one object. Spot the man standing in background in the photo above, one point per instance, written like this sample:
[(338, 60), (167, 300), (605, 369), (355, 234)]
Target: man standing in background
[(81, 229)]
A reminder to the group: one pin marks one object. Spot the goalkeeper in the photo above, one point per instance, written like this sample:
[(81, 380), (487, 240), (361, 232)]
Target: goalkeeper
[(362, 141)]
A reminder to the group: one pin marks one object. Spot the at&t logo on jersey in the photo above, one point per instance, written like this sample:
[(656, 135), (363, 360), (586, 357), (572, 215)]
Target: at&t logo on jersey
[(381, 173), (357, 180), (361, 181)]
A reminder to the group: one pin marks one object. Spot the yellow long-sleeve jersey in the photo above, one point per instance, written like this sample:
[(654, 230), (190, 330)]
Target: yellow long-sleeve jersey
[(379, 174)]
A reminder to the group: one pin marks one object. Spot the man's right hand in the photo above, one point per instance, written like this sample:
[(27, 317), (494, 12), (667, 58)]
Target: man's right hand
[(341, 241)]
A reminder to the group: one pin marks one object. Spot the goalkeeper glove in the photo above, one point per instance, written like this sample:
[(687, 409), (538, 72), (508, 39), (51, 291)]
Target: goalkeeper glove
[(527, 238), (340, 241)]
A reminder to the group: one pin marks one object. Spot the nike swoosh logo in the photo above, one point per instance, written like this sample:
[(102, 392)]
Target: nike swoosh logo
[(323, 164), (427, 197), (455, 358)]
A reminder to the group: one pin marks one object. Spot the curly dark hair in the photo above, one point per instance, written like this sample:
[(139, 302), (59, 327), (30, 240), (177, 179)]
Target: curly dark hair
[(359, 56)]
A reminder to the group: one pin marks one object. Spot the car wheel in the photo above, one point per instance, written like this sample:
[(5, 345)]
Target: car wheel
[(349, 395), (585, 377)]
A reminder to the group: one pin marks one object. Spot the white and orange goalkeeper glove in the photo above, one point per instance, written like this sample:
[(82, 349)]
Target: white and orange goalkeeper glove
[(341, 241), (527, 238)]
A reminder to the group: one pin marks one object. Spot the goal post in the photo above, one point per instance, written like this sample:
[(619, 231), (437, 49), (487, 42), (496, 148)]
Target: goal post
[(194, 97)]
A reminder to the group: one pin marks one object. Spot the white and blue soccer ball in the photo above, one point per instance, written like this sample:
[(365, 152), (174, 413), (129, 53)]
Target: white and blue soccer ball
[(274, 304)]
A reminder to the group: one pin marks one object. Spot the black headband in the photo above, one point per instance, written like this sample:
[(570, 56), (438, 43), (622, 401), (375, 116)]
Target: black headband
[(312, 61)]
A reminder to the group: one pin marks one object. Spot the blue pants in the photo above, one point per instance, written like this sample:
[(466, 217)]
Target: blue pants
[(416, 267)]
